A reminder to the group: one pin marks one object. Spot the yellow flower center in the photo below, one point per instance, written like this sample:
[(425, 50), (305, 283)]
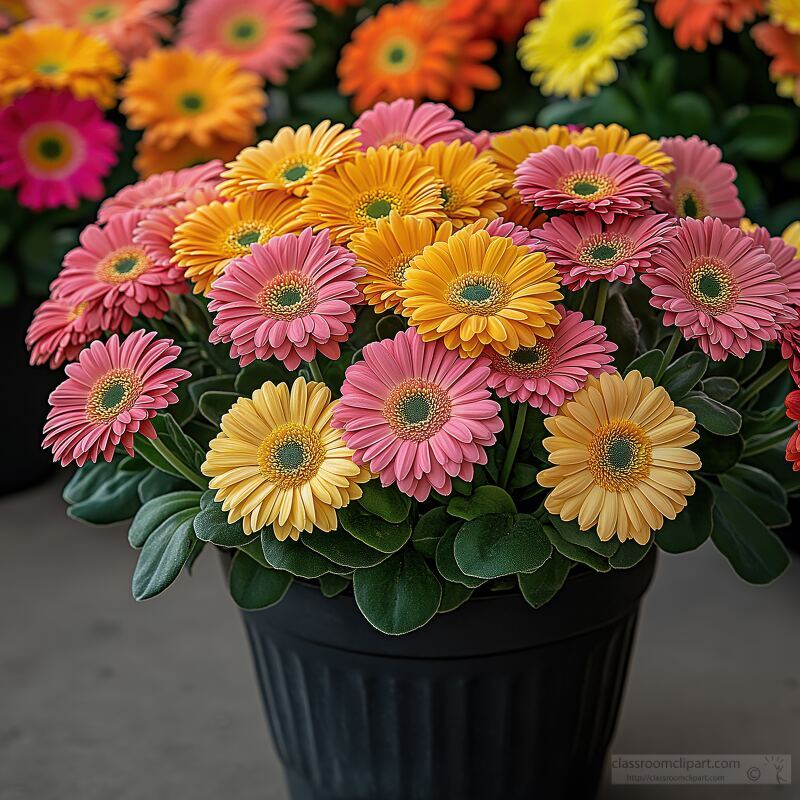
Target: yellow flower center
[(478, 293), (236, 241), (78, 311), (416, 409), (526, 362), (451, 197), (398, 55), (396, 269), (710, 285), (244, 31), (604, 249), (125, 264), (620, 455), (689, 203), (587, 185), (291, 455), (288, 297), (375, 205), (112, 394)]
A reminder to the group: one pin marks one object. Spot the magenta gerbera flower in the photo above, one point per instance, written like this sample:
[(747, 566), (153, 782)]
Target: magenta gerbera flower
[(158, 191), (701, 185), (55, 149), (719, 287), (548, 374), (417, 414), (290, 298), (586, 249), (262, 35), (110, 394), (784, 257), (401, 123), (579, 179), (519, 234), (110, 268), (60, 328), (789, 340)]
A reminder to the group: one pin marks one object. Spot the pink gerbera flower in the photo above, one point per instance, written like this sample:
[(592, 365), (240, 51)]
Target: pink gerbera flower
[(519, 234), (110, 268), (400, 123), (719, 287), (110, 394), (55, 149), (701, 185), (548, 374), (784, 257), (154, 233), (586, 249), (262, 35), (132, 27), (60, 329), (159, 191), (579, 179), (417, 414), (789, 340), (291, 298)]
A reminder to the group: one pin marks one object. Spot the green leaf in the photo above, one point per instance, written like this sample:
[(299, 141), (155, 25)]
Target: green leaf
[(189, 452), (87, 480), (255, 375), (453, 595), (211, 524), (754, 552), (156, 484), (157, 511), (294, 557), (687, 113), (376, 532), (214, 383), (720, 388), (760, 492), (331, 584), (571, 532), (712, 415), (683, 374), (213, 405), (446, 560), (344, 549), (522, 476), (398, 595), (495, 545), (114, 499), (766, 133), (648, 363), (574, 552), (429, 529), (540, 586), (630, 553), (164, 554), (692, 526), (484, 500), (622, 328), (9, 289), (718, 453), (388, 503), (254, 587)]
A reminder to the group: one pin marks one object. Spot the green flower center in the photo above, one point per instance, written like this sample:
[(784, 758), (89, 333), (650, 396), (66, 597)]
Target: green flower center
[(584, 188), (710, 286), (414, 409), (603, 252), (97, 15), (249, 237), (583, 40), (378, 208), (529, 356), (125, 265), (48, 68), (396, 55), (296, 173), (690, 206), (620, 454), (192, 102), (291, 456), (113, 395), (288, 297), (51, 148), (475, 293)]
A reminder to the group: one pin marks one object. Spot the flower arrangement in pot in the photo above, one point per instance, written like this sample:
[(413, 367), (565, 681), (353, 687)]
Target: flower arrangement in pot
[(434, 398)]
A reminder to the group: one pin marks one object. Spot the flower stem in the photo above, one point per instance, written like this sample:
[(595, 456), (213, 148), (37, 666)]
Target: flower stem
[(516, 437), (316, 372), (178, 465), (668, 355), (600, 305), (765, 380)]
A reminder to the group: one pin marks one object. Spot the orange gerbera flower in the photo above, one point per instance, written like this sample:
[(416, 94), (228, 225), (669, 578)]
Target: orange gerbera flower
[(784, 47), (698, 23), (152, 159), (491, 19)]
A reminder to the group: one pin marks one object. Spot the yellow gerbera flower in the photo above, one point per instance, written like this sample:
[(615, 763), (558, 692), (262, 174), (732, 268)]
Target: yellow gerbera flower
[(290, 161), (51, 57), (151, 158), (357, 193), (213, 235), (616, 139), (277, 461), (570, 49), (386, 251), (475, 290), (792, 236), (472, 183), (785, 13), (747, 225), (177, 94), (619, 447)]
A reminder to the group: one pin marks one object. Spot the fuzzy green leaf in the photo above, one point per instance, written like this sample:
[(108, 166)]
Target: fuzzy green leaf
[(389, 503), (684, 374), (484, 500), (429, 529), (692, 526), (376, 532), (211, 524), (446, 560), (294, 557), (253, 586), (343, 549), (540, 586), (712, 415)]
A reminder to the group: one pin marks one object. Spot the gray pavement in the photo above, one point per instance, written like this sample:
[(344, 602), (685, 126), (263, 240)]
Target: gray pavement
[(105, 699)]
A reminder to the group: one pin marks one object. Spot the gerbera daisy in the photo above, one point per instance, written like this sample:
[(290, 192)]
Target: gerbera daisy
[(262, 35), (702, 185), (59, 331), (470, 71), (277, 461), (575, 179), (110, 270), (417, 415), (585, 249), (782, 45), (788, 86), (521, 235), (471, 183), (719, 287), (132, 27), (509, 149), (785, 13), (213, 235), (791, 236), (522, 214), (360, 192), (616, 139), (698, 23), (159, 191), (290, 298), (151, 158), (571, 47), (793, 445), (476, 291), (402, 124), (291, 161), (622, 463), (789, 340), (50, 57), (12, 12), (56, 149), (385, 252), (549, 373), (784, 257), (110, 394), (177, 94)]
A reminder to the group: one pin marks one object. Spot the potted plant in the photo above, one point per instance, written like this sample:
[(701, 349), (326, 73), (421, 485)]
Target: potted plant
[(437, 405)]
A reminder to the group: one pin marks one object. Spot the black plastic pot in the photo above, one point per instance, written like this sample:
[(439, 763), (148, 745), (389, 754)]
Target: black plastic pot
[(23, 404), (493, 701)]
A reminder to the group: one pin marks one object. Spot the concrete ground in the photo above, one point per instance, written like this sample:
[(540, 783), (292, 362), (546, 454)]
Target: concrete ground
[(102, 698)]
